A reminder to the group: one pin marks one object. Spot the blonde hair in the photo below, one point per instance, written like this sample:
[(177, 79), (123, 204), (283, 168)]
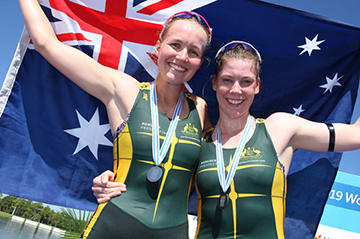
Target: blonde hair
[(170, 22)]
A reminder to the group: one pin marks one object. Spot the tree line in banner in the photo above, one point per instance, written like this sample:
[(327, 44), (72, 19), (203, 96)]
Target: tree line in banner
[(68, 219)]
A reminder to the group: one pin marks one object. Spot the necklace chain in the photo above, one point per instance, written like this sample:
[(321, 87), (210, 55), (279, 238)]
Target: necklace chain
[(166, 110)]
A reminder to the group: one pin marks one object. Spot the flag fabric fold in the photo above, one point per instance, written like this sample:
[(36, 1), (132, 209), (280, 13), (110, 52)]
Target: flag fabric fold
[(55, 138)]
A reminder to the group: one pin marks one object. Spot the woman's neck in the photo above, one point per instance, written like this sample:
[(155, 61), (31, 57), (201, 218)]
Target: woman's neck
[(232, 130), (231, 126), (166, 93), (167, 97)]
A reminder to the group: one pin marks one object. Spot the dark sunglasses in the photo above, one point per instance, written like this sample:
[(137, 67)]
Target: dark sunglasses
[(234, 44), (188, 14)]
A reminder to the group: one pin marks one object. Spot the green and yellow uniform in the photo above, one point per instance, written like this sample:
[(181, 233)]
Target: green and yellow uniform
[(257, 193), (150, 210)]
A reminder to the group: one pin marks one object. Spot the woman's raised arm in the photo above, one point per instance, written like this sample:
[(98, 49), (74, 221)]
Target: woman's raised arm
[(108, 85)]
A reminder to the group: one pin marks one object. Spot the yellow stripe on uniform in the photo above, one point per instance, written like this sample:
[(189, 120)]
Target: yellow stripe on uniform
[(123, 151), (279, 199)]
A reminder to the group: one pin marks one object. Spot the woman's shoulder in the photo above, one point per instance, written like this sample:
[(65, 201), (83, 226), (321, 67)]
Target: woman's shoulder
[(200, 103), (279, 118), (281, 122)]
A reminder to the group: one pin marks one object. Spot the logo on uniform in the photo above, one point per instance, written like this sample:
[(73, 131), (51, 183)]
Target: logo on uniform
[(190, 130), (251, 153)]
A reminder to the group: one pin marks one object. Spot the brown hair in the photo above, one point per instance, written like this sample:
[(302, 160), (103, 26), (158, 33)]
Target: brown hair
[(239, 52)]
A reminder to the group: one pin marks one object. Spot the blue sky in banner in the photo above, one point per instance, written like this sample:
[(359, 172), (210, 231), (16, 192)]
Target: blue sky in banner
[(11, 26)]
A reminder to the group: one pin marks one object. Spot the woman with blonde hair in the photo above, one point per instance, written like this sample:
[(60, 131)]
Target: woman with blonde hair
[(154, 155)]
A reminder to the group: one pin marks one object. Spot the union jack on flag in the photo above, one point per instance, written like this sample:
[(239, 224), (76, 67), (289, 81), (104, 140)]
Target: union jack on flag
[(55, 138)]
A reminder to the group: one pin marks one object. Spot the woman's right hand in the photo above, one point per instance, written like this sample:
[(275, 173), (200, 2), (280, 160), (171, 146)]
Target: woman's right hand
[(105, 188)]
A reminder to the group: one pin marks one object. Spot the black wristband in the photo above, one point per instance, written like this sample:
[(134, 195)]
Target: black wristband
[(332, 137)]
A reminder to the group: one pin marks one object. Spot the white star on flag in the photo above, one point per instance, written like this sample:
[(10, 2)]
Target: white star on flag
[(298, 111), (90, 134), (311, 45), (331, 83)]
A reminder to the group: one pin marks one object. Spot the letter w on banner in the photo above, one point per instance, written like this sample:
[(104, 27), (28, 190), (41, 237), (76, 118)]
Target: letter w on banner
[(55, 138)]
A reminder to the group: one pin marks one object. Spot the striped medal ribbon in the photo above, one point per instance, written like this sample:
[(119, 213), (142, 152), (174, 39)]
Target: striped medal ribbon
[(225, 182), (155, 173)]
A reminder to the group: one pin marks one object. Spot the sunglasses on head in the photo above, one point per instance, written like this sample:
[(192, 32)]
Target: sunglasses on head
[(188, 14), (233, 44)]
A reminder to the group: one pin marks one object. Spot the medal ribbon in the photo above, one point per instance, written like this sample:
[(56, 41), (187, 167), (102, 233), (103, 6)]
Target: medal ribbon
[(225, 183), (159, 155)]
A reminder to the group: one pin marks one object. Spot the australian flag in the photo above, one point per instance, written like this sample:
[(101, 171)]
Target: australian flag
[(55, 138)]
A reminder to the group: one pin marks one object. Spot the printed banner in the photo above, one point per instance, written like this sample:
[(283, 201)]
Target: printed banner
[(341, 215)]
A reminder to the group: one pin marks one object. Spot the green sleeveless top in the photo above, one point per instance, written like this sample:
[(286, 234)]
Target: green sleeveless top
[(257, 193), (150, 210)]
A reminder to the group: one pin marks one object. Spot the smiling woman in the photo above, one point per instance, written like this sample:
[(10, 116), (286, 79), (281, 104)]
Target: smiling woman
[(241, 177), (137, 114), (233, 92)]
